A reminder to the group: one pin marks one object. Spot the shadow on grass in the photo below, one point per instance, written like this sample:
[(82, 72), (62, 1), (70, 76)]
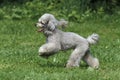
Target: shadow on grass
[(52, 64), (48, 64)]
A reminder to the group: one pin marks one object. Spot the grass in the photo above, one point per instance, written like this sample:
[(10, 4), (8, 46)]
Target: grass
[(19, 60)]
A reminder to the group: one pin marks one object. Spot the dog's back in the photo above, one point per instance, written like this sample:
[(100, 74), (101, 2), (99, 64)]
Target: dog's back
[(69, 39)]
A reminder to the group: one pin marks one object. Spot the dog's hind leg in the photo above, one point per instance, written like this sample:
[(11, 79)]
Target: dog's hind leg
[(75, 57), (90, 60)]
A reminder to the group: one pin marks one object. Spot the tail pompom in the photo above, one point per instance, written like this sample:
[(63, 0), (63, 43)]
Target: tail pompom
[(93, 39)]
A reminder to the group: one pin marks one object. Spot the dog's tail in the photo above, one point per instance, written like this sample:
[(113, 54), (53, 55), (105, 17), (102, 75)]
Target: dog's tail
[(62, 23), (93, 39)]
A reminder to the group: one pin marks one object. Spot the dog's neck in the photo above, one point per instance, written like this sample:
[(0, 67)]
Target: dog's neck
[(50, 33)]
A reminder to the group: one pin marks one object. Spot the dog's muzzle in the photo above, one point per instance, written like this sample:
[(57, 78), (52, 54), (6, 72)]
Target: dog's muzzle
[(40, 27)]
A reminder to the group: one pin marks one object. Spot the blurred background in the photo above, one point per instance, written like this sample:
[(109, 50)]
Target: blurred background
[(73, 10)]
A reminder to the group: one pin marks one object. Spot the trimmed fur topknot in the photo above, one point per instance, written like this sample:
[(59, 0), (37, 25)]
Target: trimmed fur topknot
[(49, 17)]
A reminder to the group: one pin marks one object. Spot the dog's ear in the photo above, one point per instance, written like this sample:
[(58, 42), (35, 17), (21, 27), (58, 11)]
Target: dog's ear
[(51, 26), (47, 22)]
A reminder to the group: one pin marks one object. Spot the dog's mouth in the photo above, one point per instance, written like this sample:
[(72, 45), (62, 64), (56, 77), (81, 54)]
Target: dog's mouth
[(40, 29), (40, 26)]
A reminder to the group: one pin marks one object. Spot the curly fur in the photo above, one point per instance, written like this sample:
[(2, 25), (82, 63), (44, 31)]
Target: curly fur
[(59, 40), (49, 17)]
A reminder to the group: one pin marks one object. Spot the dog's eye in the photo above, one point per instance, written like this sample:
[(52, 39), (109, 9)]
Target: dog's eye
[(42, 22)]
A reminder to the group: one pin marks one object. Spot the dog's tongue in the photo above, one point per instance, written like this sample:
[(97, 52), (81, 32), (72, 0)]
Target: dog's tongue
[(40, 30)]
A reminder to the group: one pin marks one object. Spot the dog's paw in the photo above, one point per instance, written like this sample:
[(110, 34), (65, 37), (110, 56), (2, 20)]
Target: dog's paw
[(71, 65), (95, 64), (41, 50)]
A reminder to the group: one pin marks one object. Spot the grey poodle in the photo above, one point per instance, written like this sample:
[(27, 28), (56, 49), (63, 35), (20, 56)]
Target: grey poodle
[(59, 40)]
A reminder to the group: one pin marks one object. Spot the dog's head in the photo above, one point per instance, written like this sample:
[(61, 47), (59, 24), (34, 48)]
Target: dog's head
[(45, 24)]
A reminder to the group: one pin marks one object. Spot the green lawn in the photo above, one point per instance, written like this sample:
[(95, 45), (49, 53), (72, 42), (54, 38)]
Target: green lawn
[(19, 60)]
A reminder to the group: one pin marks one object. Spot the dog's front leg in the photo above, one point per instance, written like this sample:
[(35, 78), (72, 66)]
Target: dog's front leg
[(48, 49)]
